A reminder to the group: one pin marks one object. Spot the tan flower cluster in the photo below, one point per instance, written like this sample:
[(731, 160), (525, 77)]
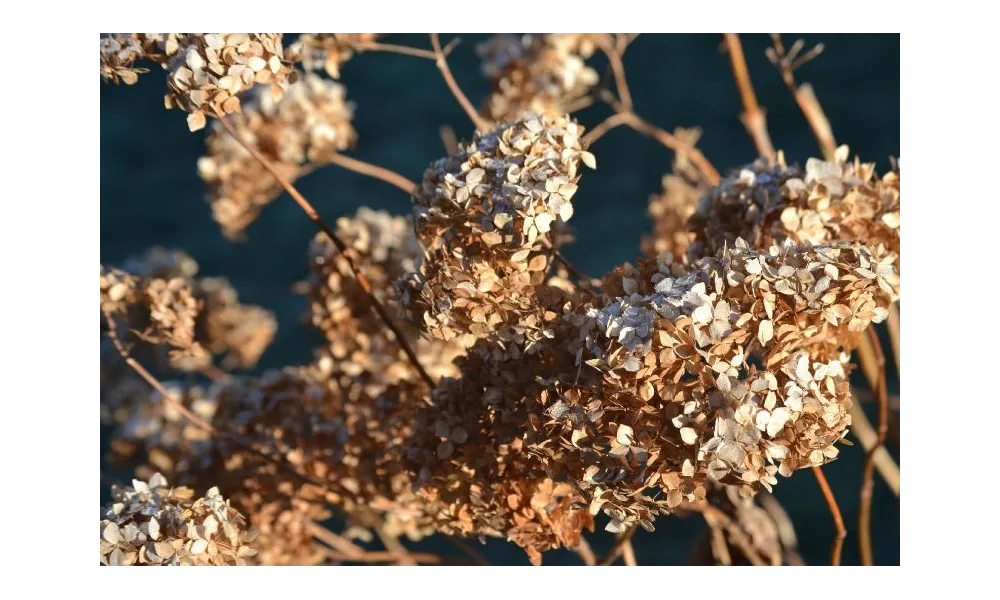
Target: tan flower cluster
[(163, 310), (538, 73), (671, 209), (830, 201), (327, 51), (308, 124), (119, 51), (242, 332), (152, 523), (159, 295), (209, 70), (484, 217), (384, 248)]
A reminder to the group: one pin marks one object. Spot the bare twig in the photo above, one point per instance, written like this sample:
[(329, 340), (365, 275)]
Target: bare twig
[(676, 144), (586, 552), (805, 97), (717, 518), (394, 546), (753, 117), (380, 173), (448, 138), (362, 46), (476, 556), (864, 432), (481, 124), (616, 550), (838, 519), (614, 54), (867, 475), (628, 554), (335, 541), (893, 325), (341, 247), (602, 128)]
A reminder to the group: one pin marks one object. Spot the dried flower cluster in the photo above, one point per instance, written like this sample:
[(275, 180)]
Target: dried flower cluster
[(768, 203), (209, 70), (308, 124), (119, 51), (386, 249), (328, 51), (152, 524), (158, 296), (484, 218), (538, 73), (691, 379)]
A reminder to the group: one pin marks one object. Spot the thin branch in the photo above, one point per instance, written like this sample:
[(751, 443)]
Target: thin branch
[(335, 541), (476, 556), (586, 552), (838, 519), (628, 554), (602, 128), (676, 144), (448, 138), (394, 546), (753, 117), (716, 518), (614, 55), (867, 475), (805, 97), (380, 173), (362, 46), (893, 325), (341, 247), (616, 550), (375, 556), (456, 91), (864, 432)]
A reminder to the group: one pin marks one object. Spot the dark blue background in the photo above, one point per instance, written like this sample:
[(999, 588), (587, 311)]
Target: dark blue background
[(151, 194)]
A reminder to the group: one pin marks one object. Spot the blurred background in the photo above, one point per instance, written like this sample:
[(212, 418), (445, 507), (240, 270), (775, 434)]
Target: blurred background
[(151, 195)]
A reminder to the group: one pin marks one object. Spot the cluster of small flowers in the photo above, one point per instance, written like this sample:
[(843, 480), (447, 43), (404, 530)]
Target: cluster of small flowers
[(119, 51), (767, 203), (309, 123), (159, 295), (484, 216), (385, 248), (537, 73), (327, 51), (152, 524), (209, 70), (164, 310)]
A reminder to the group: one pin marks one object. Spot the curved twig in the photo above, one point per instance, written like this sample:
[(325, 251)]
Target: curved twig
[(481, 124), (838, 519), (753, 116)]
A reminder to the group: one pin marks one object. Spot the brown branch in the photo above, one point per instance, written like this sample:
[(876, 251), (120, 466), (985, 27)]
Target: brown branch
[(586, 552), (673, 142), (341, 247), (214, 373), (716, 517), (380, 173), (864, 432), (805, 97), (867, 475), (614, 55), (335, 541), (375, 556), (362, 46), (628, 554), (394, 546), (602, 128), (476, 556), (481, 124), (616, 550), (753, 117), (893, 324), (838, 519)]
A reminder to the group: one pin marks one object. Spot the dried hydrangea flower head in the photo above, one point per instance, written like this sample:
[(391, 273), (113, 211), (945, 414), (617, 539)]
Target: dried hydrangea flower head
[(209, 70), (537, 73), (327, 51), (671, 209), (308, 124), (737, 360), (154, 524), (119, 51), (384, 248), (241, 332), (830, 201), (159, 295), (163, 310), (484, 217)]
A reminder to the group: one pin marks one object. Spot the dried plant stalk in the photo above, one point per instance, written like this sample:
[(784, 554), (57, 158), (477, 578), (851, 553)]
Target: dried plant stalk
[(753, 116)]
